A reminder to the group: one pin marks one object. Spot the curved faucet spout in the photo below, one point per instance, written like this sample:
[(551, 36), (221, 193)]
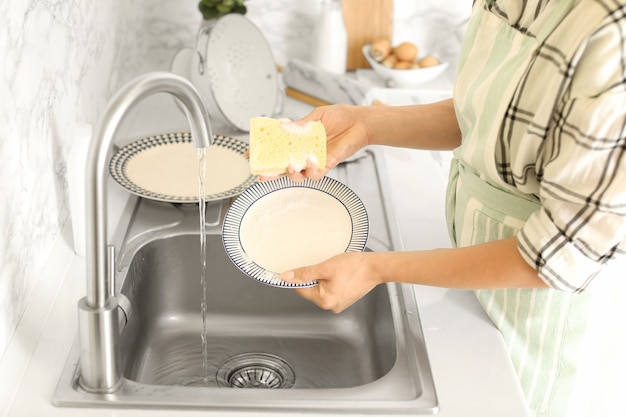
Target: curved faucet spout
[(97, 174), (98, 309)]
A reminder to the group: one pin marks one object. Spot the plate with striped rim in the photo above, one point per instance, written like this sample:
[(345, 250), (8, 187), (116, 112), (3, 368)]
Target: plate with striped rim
[(278, 225), (166, 167)]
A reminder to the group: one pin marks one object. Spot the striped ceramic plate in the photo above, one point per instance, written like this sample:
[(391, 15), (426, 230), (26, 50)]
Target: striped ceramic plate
[(278, 225), (166, 168)]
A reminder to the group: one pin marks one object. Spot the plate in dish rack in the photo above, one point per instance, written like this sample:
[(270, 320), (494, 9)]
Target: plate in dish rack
[(166, 167), (279, 225)]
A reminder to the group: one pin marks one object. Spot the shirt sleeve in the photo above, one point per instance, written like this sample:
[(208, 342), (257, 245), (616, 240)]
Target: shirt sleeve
[(582, 170)]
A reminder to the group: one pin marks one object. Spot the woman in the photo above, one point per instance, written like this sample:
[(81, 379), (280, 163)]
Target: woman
[(536, 198)]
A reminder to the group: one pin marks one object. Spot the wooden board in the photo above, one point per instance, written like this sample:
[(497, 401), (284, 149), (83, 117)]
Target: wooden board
[(366, 21)]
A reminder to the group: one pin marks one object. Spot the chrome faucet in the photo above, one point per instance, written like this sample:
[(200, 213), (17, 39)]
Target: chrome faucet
[(100, 367)]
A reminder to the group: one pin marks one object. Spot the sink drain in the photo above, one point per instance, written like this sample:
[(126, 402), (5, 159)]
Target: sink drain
[(256, 370)]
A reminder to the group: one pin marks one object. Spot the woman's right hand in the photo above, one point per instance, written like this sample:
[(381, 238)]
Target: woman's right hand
[(345, 134)]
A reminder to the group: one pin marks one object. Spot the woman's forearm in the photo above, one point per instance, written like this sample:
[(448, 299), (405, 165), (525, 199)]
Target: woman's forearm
[(496, 264), (429, 126), (345, 278)]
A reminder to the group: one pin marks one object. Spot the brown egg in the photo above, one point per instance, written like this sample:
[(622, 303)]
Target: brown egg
[(428, 61), (390, 61), (378, 102), (380, 49), (406, 51), (402, 65)]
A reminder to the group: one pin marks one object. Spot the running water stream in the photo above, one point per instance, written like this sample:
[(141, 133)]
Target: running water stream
[(203, 283)]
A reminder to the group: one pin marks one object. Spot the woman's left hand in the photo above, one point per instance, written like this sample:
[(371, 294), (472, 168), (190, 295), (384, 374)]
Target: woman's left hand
[(343, 280)]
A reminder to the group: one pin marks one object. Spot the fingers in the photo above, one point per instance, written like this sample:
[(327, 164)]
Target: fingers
[(317, 294), (303, 275), (268, 177), (296, 175), (310, 171), (315, 114)]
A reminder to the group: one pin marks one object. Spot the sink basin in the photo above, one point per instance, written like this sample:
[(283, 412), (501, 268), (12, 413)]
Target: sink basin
[(266, 349), (162, 339)]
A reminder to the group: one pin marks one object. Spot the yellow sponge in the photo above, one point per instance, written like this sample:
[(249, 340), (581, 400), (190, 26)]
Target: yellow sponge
[(277, 144)]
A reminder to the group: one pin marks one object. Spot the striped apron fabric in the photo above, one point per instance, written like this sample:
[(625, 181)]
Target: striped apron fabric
[(564, 346)]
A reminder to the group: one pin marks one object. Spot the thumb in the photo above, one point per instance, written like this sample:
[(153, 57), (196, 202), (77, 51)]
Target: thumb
[(314, 115), (304, 275)]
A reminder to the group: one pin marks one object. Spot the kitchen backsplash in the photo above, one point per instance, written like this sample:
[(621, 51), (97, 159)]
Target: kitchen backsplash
[(62, 60), (287, 25)]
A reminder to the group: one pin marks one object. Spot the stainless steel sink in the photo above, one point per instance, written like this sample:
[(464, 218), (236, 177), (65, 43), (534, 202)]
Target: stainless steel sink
[(369, 359), (162, 338)]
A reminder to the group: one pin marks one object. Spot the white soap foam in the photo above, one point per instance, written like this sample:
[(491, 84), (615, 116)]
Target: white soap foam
[(298, 166), (295, 128)]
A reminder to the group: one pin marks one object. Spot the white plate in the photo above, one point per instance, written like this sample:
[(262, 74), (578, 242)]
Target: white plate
[(279, 225), (166, 168)]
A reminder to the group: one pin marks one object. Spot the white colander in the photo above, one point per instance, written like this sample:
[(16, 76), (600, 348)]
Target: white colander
[(235, 72)]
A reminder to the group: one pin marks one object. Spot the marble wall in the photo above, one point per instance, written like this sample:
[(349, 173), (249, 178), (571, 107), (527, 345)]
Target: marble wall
[(60, 60)]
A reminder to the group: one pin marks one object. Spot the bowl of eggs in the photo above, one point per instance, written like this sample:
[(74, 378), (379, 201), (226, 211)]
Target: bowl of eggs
[(401, 65)]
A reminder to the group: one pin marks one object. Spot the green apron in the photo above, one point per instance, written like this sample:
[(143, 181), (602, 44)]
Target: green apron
[(542, 328)]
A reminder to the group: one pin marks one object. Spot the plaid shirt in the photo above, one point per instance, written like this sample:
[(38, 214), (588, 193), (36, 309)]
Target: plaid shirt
[(564, 141)]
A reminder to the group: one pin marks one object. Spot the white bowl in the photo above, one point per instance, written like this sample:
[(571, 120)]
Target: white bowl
[(403, 77)]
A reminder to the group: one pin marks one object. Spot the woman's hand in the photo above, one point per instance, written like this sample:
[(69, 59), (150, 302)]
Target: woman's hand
[(350, 128), (345, 134), (343, 280)]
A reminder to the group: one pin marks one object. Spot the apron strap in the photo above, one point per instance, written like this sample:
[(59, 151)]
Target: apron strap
[(559, 10)]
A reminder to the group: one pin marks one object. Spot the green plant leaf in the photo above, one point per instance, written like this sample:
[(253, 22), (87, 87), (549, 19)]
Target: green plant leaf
[(211, 9)]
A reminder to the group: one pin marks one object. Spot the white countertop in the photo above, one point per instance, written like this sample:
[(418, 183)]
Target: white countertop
[(472, 372)]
